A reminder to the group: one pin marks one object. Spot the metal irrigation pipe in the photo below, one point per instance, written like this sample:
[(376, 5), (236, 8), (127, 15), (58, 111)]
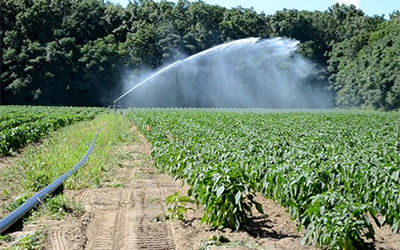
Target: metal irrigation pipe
[(15, 215)]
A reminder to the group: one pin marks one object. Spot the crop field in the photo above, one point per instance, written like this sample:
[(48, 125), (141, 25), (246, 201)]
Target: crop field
[(21, 125), (336, 172)]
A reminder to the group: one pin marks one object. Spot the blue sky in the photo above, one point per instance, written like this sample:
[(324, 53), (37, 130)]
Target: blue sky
[(370, 7)]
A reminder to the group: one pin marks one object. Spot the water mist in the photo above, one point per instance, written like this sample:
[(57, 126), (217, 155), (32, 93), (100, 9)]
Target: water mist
[(246, 73)]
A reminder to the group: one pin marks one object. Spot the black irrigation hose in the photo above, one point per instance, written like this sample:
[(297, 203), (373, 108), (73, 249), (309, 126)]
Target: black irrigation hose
[(15, 215)]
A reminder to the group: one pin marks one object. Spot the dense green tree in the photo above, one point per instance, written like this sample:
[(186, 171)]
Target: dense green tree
[(302, 26), (202, 27), (240, 22), (116, 19), (102, 62), (73, 52), (370, 77), (142, 45)]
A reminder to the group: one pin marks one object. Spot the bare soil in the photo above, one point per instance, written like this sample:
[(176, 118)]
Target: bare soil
[(132, 216)]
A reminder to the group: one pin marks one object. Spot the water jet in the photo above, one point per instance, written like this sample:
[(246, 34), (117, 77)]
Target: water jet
[(248, 73)]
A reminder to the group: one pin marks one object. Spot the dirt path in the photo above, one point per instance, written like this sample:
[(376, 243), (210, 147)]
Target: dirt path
[(124, 217)]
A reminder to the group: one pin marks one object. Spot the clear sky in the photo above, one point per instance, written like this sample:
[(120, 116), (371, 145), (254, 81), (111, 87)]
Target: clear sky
[(370, 7)]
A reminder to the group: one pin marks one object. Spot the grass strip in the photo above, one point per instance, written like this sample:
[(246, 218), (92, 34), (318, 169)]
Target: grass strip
[(39, 165)]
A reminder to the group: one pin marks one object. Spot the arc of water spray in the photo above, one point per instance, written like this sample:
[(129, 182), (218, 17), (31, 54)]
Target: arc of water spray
[(241, 43)]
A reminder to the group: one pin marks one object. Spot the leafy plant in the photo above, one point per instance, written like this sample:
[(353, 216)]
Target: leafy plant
[(177, 206), (58, 207), (333, 171), (32, 241), (17, 202)]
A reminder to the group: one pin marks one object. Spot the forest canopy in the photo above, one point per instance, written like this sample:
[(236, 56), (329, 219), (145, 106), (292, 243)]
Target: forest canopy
[(76, 52)]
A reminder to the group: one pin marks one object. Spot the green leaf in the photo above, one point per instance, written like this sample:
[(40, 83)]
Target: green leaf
[(259, 207), (237, 197), (220, 190), (395, 227), (395, 175)]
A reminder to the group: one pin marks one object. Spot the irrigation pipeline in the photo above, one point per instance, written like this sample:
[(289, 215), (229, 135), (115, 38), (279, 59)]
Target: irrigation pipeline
[(17, 214)]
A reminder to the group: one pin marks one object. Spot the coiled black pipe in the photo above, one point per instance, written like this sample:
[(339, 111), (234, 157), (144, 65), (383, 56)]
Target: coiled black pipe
[(15, 215)]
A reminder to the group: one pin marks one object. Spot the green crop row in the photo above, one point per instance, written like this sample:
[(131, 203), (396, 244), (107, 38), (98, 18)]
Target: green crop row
[(13, 122), (333, 171), (22, 125)]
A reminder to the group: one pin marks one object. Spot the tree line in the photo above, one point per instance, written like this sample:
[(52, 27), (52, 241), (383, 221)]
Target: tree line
[(76, 52)]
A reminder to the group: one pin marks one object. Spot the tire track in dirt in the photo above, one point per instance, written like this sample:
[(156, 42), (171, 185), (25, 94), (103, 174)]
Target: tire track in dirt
[(124, 218), (86, 193), (58, 240), (121, 222), (149, 233), (100, 231)]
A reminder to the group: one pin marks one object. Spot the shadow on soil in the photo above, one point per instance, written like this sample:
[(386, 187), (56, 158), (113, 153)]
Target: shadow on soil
[(260, 227)]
